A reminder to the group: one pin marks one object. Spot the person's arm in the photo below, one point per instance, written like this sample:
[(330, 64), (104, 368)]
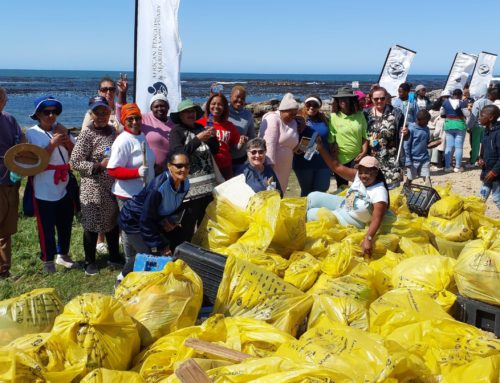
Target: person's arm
[(251, 128), (150, 223), (87, 120), (407, 145), (364, 135), (271, 136), (379, 209), (122, 86), (334, 164)]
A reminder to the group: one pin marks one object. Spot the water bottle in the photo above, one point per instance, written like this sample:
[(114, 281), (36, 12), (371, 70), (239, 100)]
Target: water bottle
[(485, 191), (311, 148), (107, 152), (210, 121)]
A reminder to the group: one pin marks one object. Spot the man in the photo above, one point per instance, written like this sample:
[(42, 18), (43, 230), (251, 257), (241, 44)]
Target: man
[(475, 129), (403, 103), (10, 135), (423, 101), (107, 89)]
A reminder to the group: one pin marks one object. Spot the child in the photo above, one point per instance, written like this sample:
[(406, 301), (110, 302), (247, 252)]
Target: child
[(417, 159), (489, 159)]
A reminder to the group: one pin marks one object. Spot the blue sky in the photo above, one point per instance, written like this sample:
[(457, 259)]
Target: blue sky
[(257, 36)]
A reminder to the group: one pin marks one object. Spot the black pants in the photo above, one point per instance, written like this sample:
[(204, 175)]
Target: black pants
[(90, 241), (339, 179), (52, 215)]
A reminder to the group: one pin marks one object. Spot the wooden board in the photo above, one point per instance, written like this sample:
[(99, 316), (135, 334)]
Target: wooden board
[(217, 350), (191, 372)]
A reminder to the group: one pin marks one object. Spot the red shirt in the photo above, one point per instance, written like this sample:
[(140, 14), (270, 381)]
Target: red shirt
[(228, 135)]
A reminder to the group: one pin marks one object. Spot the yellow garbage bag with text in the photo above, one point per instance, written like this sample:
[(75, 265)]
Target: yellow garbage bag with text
[(339, 258), (448, 207), (342, 310), (411, 228), (290, 233), (458, 229), (381, 244), (412, 249), (102, 375), (383, 267), (483, 370), (302, 271)]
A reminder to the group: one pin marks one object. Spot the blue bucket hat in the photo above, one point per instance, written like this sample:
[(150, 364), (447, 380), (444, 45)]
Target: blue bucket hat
[(96, 101), (45, 102)]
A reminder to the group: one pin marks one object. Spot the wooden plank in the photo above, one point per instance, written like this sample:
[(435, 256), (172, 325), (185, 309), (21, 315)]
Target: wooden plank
[(191, 372), (217, 350)]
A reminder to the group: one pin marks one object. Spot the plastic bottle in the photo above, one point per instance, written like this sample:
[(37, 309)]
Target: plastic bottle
[(311, 148), (210, 121), (107, 152), (485, 191)]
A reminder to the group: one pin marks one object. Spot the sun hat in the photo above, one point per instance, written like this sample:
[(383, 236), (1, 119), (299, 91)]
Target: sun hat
[(156, 97), (419, 87), (445, 93), (369, 162), (344, 92), (45, 102), (288, 102), (315, 99), (26, 159), (96, 101), (359, 94), (130, 109), (185, 105)]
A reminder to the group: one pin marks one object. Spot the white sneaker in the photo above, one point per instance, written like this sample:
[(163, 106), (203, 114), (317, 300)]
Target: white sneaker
[(66, 261), (458, 170), (435, 168), (101, 248)]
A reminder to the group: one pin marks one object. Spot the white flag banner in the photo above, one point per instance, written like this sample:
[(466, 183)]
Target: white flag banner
[(461, 71), (483, 74), (396, 68), (158, 52)]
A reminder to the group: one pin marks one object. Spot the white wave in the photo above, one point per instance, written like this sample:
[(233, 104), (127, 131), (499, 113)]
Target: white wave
[(231, 82)]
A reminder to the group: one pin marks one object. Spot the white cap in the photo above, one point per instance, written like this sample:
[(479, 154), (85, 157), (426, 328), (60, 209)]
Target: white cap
[(445, 93), (156, 97), (288, 102)]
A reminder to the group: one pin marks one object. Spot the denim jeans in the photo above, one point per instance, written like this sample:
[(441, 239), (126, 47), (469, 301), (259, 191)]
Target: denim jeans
[(493, 190), (313, 180), (317, 200), (454, 140)]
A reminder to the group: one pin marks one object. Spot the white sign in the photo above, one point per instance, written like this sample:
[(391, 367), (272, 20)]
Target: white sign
[(396, 68), (158, 52), (483, 74), (461, 71)]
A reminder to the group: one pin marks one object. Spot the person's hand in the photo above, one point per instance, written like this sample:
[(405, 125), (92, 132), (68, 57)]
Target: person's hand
[(58, 139), (404, 131), (122, 85), (297, 149), (319, 143), (204, 135), (480, 163), (166, 251), (168, 226), (243, 140), (104, 162), (367, 247), (490, 177), (143, 171)]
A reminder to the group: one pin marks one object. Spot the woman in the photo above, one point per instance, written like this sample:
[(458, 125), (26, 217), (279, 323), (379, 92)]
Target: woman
[(99, 208), (348, 131), (156, 125), (53, 205), (227, 134), (107, 89), (313, 174), (366, 201), (149, 220), (455, 128), (200, 145), (384, 125), (131, 162), (259, 175), (243, 120), (280, 131)]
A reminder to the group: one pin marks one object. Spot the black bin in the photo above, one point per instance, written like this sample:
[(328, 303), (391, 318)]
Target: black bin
[(207, 264), (479, 314), (420, 198)]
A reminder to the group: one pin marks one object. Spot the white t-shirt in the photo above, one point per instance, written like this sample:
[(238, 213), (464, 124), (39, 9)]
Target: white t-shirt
[(43, 183), (359, 199), (126, 152)]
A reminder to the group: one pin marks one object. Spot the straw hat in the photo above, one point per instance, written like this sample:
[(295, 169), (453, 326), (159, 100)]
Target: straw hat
[(26, 159)]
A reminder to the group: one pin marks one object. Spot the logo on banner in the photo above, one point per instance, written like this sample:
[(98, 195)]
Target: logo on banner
[(158, 88), (396, 69), (483, 70)]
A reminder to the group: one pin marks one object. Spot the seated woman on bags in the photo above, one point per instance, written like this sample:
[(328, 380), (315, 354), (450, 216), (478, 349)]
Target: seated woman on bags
[(259, 175), (149, 220), (366, 201)]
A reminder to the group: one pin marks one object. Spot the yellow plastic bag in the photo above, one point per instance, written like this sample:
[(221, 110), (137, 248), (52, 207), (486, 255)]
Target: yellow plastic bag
[(482, 370), (339, 258), (450, 248), (400, 307), (102, 375), (382, 267), (302, 271), (477, 271), (271, 262), (342, 310), (457, 229), (412, 249), (447, 208), (342, 349), (161, 302), (28, 313), (410, 228), (100, 325), (290, 234), (382, 243), (16, 366), (249, 291), (474, 204), (398, 202)]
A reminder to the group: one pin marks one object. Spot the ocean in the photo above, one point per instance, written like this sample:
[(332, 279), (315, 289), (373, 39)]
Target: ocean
[(73, 88)]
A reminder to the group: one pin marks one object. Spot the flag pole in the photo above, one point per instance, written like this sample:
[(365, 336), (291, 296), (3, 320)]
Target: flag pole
[(135, 47)]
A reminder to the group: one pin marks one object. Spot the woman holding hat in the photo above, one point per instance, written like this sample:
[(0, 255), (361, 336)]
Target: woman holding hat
[(280, 130), (348, 130), (365, 203), (131, 162), (53, 205), (200, 145), (156, 125), (99, 208), (313, 174)]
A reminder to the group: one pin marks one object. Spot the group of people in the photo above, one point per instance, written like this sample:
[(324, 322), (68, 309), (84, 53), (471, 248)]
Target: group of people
[(147, 177)]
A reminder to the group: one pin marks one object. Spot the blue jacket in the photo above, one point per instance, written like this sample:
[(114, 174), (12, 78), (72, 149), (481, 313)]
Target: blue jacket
[(258, 181), (491, 151), (145, 211), (415, 144)]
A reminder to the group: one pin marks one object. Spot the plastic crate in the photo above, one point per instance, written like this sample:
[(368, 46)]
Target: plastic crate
[(420, 198), (148, 262), (477, 313), (207, 264)]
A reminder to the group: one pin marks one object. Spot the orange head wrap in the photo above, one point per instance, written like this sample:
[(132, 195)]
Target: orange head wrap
[(128, 110)]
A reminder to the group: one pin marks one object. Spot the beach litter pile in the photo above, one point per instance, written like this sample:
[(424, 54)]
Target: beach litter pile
[(297, 303)]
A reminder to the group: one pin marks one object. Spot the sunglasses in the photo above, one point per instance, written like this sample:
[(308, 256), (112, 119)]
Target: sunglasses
[(255, 151), (180, 166), (378, 98), (48, 112), (107, 89), (133, 118), (312, 105)]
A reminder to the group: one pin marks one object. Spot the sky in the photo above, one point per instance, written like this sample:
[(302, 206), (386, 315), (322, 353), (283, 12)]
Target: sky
[(252, 36)]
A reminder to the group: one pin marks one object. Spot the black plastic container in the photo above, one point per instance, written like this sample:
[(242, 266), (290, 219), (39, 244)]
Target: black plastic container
[(420, 198), (479, 314)]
